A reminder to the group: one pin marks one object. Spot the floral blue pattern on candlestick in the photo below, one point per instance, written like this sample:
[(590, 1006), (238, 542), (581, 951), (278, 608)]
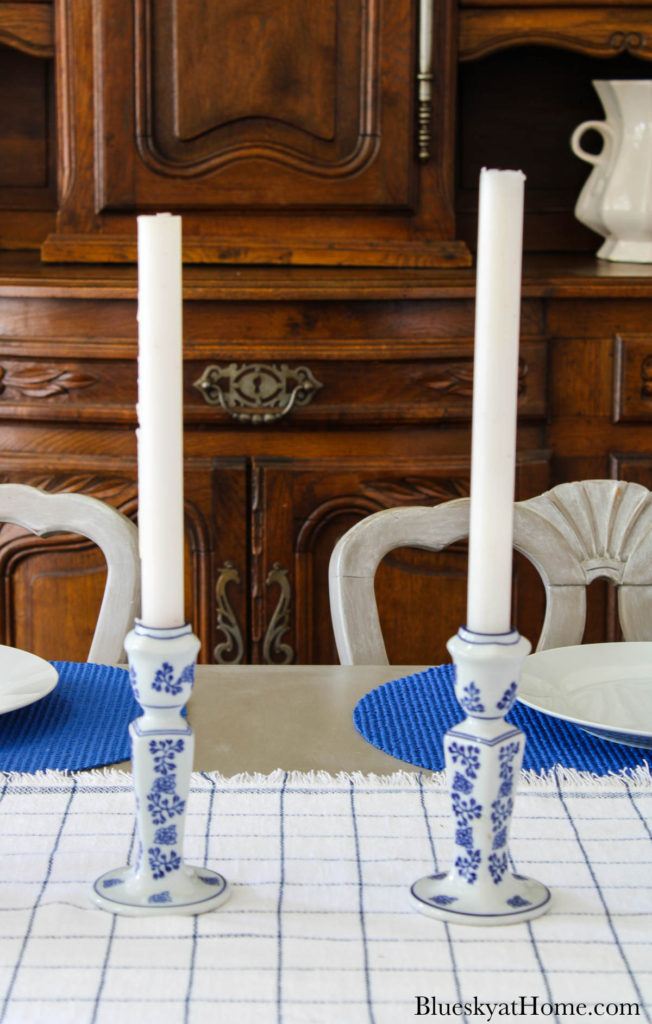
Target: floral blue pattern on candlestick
[(506, 755), (469, 757), (465, 810), (508, 698), (497, 866), (518, 901), (188, 674), (470, 699), (500, 812), (164, 753), (506, 787), (500, 839), (464, 837), (465, 807), (133, 679), (468, 866), (166, 836), (160, 897), (482, 756), (461, 784), (165, 682), (162, 661), (161, 862), (162, 801)]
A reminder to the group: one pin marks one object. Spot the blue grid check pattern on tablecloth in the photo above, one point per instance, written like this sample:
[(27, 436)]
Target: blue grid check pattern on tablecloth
[(318, 929), (408, 718), (83, 723)]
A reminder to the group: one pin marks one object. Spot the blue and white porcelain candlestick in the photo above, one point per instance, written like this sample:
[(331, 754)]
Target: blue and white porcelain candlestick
[(162, 671), (483, 760)]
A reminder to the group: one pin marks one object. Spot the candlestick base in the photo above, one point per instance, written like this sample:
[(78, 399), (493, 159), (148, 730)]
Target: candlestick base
[(194, 891), (483, 758), (162, 670), (519, 899)]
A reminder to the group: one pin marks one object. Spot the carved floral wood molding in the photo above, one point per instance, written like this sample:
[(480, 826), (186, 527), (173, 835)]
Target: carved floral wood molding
[(34, 380), (412, 490), (594, 32), (114, 490), (457, 379)]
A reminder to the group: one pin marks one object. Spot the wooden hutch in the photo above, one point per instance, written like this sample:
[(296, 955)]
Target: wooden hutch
[(325, 157)]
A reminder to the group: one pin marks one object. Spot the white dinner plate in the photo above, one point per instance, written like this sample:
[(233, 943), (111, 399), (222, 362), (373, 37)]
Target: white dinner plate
[(604, 688), (24, 678)]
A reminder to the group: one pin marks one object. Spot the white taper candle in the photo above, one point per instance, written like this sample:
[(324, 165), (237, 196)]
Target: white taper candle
[(495, 384), (160, 418)]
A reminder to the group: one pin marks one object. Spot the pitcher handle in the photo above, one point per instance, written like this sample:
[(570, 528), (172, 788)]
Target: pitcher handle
[(603, 128)]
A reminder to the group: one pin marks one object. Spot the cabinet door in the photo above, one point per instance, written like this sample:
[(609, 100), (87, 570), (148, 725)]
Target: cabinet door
[(278, 101), (301, 509), (269, 124)]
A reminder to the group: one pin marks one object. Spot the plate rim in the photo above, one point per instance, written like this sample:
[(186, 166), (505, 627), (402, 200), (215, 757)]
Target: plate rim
[(584, 723), (41, 689)]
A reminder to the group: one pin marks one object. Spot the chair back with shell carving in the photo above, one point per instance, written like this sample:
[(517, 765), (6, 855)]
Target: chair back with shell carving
[(572, 534), (116, 536)]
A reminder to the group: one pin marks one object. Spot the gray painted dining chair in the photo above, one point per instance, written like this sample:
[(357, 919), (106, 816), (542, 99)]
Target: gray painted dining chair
[(573, 534), (45, 514)]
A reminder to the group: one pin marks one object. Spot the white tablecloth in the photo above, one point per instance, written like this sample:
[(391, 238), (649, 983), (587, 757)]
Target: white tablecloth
[(318, 929)]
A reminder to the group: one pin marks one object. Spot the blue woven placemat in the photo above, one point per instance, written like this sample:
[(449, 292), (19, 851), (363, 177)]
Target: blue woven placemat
[(408, 718), (81, 724)]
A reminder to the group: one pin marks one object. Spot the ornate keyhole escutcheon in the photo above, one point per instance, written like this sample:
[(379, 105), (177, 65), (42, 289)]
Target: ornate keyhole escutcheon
[(257, 393)]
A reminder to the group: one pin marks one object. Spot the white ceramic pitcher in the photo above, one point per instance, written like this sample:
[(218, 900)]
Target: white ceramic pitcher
[(616, 200)]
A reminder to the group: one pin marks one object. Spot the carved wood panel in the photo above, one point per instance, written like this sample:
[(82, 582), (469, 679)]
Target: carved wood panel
[(284, 67), (285, 131), (632, 386), (234, 103)]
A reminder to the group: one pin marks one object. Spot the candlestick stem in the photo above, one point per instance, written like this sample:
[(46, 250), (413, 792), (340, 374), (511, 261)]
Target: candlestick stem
[(483, 759), (162, 668)]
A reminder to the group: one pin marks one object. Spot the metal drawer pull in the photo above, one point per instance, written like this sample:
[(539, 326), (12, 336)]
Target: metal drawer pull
[(229, 651), (275, 652), (257, 392)]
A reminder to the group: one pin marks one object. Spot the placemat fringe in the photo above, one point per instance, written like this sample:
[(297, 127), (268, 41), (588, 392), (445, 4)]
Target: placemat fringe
[(633, 778)]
